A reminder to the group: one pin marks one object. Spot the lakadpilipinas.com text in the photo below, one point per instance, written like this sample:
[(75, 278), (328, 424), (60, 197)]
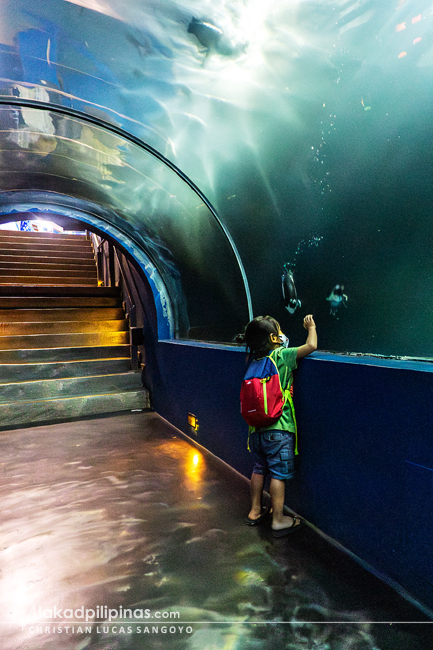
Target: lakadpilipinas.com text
[(104, 620)]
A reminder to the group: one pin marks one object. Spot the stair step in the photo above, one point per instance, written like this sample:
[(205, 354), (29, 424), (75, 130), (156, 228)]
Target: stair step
[(37, 281), (60, 315), (45, 243), (43, 355), (12, 262), (20, 372), (62, 327), (20, 413), (56, 302), (69, 387), (45, 246), (32, 341), (47, 252), (48, 291), (50, 272), (34, 235), (64, 341)]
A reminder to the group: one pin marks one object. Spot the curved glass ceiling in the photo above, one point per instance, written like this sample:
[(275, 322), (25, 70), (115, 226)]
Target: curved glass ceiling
[(306, 124), (48, 151)]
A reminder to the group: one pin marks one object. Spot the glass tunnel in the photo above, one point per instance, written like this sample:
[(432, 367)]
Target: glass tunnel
[(228, 160), (235, 146)]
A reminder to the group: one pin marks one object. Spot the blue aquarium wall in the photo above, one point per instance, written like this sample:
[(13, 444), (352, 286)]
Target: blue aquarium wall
[(365, 466)]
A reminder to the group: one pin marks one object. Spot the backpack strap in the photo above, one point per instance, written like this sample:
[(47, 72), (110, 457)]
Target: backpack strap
[(250, 429), (288, 397), (278, 372)]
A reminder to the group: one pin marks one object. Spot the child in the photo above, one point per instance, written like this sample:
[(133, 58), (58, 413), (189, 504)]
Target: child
[(273, 446)]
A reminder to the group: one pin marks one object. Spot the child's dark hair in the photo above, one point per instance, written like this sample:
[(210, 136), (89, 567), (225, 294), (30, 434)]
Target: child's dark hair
[(257, 333)]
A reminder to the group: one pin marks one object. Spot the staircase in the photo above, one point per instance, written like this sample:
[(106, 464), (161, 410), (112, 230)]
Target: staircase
[(64, 341)]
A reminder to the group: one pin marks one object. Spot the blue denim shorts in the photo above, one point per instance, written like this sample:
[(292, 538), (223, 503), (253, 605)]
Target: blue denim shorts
[(273, 452)]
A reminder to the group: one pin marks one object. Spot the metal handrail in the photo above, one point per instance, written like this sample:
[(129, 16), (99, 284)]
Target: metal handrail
[(119, 264), (125, 279)]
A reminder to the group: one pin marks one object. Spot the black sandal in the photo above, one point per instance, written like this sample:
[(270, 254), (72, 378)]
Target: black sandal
[(256, 522), (282, 532)]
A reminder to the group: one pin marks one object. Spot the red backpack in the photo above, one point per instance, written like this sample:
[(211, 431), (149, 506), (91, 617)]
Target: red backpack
[(262, 397)]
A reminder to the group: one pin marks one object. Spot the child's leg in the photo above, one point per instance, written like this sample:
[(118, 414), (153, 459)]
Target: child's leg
[(257, 483), (257, 477), (277, 489)]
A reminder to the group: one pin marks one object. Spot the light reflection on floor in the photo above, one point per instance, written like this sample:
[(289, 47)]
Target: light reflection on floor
[(122, 512)]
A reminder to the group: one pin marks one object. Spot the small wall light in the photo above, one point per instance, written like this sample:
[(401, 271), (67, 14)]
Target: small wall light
[(193, 421)]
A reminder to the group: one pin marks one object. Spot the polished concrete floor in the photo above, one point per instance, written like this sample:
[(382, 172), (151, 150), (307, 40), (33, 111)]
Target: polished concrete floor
[(122, 518)]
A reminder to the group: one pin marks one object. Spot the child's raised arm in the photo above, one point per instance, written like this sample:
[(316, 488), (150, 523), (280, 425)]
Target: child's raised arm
[(311, 343)]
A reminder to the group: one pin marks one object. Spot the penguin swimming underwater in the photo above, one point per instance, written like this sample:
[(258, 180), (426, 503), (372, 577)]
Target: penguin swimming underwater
[(213, 38), (290, 296), (337, 298)]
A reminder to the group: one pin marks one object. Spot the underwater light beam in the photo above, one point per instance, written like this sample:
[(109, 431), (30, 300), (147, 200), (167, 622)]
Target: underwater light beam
[(96, 5)]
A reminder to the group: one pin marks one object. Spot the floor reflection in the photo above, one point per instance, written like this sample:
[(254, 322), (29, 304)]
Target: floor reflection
[(116, 533)]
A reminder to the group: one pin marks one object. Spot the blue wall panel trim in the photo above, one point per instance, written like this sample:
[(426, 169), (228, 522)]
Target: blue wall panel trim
[(362, 423), (204, 344), (400, 363)]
